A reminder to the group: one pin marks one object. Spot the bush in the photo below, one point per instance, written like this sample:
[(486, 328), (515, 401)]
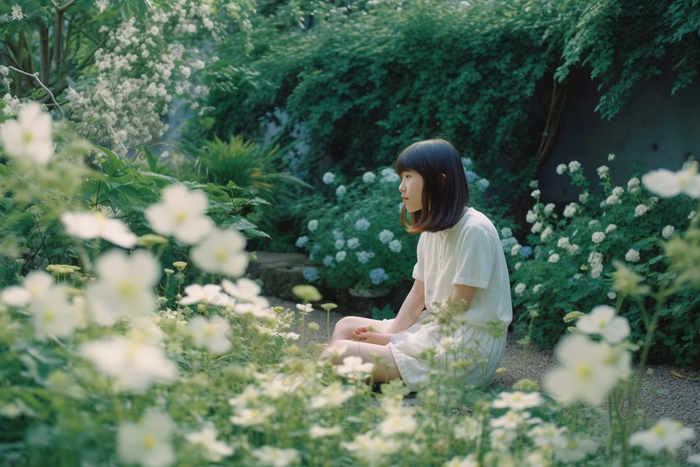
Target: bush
[(569, 260)]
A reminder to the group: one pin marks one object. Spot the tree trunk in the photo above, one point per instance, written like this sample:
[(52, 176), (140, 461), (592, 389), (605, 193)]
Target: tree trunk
[(44, 72), (57, 40)]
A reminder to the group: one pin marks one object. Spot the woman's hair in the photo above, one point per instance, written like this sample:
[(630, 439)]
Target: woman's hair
[(445, 188)]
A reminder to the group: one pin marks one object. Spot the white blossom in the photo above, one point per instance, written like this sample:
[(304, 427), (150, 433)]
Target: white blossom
[(668, 231), (553, 258), (395, 246), (531, 217), (574, 166), (313, 225), (575, 450), (244, 290), (386, 236), (371, 448), (517, 400), (570, 210), (603, 171), (328, 178), (87, 225), (516, 248), (632, 255), (666, 434), (147, 443), (211, 333), (331, 396), (369, 177), (667, 184), (221, 252), (640, 210), (546, 233), (317, 431), (353, 368), (597, 237), (276, 457), (36, 284), (30, 136), (535, 193), (536, 228), (182, 214), (610, 228), (520, 288), (602, 320), (214, 450), (561, 168), (252, 416), (583, 197)]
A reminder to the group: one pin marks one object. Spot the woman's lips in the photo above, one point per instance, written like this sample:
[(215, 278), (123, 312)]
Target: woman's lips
[(404, 198)]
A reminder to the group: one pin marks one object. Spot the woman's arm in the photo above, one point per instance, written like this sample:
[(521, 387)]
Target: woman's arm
[(410, 310), (463, 292)]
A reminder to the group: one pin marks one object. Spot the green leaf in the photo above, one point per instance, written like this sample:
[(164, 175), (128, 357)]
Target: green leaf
[(152, 162)]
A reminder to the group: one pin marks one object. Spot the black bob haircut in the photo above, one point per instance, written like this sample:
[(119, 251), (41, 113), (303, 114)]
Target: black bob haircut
[(445, 188)]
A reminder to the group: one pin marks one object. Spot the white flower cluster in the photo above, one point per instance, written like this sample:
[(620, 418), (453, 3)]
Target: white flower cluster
[(668, 231), (667, 184), (124, 104), (598, 237), (574, 166), (632, 256), (561, 168), (389, 176), (640, 210), (563, 243), (546, 233), (603, 171), (570, 210), (328, 178), (595, 259)]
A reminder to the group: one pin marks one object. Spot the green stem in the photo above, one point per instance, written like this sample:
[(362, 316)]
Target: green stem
[(328, 325)]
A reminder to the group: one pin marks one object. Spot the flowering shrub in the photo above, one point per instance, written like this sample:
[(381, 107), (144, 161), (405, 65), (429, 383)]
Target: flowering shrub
[(575, 255), (356, 235), (125, 366)]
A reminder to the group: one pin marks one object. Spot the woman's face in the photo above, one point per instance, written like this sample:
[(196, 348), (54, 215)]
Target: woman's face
[(411, 189)]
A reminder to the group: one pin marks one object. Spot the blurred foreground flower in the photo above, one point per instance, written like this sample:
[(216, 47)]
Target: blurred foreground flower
[(353, 368), (517, 400), (666, 434), (182, 214), (124, 287), (209, 294), (52, 314), (147, 443), (136, 366), (211, 333), (30, 136), (34, 286), (602, 320), (221, 252), (275, 457), (667, 184), (88, 225), (214, 450), (308, 293)]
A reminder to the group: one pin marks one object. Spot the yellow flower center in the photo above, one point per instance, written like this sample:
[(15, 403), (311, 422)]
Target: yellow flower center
[(209, 331), (131, 353), (573, 445), (181, 216), (149, 441), (49, 316), (221, 255), (126, 288), (602, 323), (658, 430), (34, 291), (28, 137), (583, 370)]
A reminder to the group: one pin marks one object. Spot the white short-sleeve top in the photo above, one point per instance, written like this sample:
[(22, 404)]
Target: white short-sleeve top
[(469, 253)]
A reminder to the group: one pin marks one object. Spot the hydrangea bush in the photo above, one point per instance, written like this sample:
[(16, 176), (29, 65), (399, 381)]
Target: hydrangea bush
[(570, 257), (129, 364)]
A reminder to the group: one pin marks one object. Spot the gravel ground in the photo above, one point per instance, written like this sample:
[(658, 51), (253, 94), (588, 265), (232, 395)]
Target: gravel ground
[(663, 394)]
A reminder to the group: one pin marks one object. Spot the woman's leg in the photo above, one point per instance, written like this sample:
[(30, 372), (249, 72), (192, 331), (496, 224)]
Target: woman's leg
[(385, 369), (344, 328)]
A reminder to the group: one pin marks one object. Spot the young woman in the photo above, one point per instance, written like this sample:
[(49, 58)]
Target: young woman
[(459, 257)]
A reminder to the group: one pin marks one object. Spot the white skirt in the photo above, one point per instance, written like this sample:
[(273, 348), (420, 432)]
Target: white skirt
[(407, 345)]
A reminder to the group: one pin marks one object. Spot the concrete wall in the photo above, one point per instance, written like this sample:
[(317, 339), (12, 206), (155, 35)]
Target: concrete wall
[(654, 129)]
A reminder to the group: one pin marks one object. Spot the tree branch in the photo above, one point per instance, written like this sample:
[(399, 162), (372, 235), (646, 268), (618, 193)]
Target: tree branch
[(36, 76)]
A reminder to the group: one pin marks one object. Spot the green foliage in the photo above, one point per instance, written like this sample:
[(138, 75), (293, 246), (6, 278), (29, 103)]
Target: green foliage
[(384, 313), (564, 275)]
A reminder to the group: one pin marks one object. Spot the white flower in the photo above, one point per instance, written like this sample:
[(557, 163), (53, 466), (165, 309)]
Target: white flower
[(602, 320), (317, 431), (694, 459), (353, 368), (395, 246), (313, 225), (610, 228), (520, 288), (339, 244), (549, 208), (362, 224), (531, 217), (536, 228), (135, 365), (598, 237), (369, 447), (331, 396), (617, 191), (181, 214), (506, 232), (561, 168), (535, 193), (517, 400), (666, 434), (585, 374), (210, 294), (386, 236), (633, 183), (328, 178), (468, 461), (583, 197), (517, 265), (668, 231), (547, 434), (36, 284), (563, 242), (87, 225), (612, 295), (353, 243), (632, 255), (546, 233), (29, 136), (244, 290), (214, 450), (691, 215), (667, 184), (124, 287), (364, 256), (570, 210), (16, 12), (575, 450), (553, 258), (603, 171), (275, 457), (340, 256), (396, 423), (52, 314), (211, 333), (516, 248), (369, 177), (612, 199), (574, 166), (340, 191), (221, 252), (308, 308), (147, 443), (252, 417), (511, 420), (640, 210)]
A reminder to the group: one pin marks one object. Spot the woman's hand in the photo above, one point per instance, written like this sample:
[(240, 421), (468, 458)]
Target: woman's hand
[(366, 334)]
